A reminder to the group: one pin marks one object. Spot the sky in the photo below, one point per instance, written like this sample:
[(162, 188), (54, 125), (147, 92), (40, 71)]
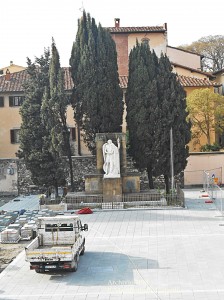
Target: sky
[(27, 26)]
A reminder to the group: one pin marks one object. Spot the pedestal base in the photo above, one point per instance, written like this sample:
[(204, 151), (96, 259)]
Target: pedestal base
[(112, 190)]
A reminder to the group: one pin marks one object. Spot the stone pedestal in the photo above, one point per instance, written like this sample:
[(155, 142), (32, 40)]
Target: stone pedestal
[(94, 184), (131, 183), (112, 190)]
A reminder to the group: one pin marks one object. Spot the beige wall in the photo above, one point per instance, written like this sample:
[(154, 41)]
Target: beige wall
[(220, 79), (198, 162), (12, 69), (157, 41), (184, 58), (9, 119), (189, 73)]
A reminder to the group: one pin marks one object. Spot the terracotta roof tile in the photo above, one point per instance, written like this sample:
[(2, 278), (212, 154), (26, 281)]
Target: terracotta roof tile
[(136, 29), (15, 83), (17, 80), (123, 81), (187, 81)]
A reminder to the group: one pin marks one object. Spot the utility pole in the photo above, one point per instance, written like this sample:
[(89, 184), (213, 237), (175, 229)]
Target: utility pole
[(171, 160)]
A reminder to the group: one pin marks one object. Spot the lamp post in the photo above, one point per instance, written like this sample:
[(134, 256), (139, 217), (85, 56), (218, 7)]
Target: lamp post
[(66, 132), (171, 159)]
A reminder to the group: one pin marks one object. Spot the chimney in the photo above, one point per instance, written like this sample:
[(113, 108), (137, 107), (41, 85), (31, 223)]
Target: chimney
[(117, 22), (11, 62), (7, 75)]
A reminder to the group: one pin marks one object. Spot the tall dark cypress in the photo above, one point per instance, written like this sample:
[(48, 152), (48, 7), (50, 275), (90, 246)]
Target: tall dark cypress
[(142, 113), (97, 96), (173, 114), (43, 121), (33, 133)]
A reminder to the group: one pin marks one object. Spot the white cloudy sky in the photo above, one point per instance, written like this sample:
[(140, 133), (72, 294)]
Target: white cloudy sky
[(27, 26)]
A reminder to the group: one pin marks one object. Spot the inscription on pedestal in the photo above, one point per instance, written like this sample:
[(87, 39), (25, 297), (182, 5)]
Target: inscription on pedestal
[(112, 189)]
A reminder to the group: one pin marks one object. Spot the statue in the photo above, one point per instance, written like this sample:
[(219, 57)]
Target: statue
[(111, 158)]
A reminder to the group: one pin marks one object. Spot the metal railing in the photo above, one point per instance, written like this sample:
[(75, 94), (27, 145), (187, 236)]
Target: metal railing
[(214, 191), (131, 200)]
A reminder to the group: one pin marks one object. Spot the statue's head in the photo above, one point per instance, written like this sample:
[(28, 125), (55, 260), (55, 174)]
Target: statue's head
[(109, 142)]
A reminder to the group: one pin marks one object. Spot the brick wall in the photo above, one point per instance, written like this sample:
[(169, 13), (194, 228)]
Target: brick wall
[(121, 41)]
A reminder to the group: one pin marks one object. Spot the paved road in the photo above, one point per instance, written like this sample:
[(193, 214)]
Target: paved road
[(136, 254), (26, 202)]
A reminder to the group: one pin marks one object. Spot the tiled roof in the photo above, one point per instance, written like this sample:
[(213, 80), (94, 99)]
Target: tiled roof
[(15, 83), (136, 29), (187, 81), (17, 80), (123, 81)]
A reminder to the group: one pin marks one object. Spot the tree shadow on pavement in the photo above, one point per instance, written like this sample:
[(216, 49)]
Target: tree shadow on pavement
[(101, 268)]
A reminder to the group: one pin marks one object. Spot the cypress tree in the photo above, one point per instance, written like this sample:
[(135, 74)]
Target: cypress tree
[(33, 148), (156, 102), (97, 97), (44, 132), (141, 101), (173, 114)]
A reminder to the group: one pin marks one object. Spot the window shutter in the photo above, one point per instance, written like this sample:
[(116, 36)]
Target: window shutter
[(1, 101), (73, 133), (10, 100), (12, 136), (21, 99)]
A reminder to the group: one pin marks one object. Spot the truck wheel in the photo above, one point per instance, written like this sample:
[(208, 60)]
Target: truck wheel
[(83, 250), (74, 269), (38, 271)]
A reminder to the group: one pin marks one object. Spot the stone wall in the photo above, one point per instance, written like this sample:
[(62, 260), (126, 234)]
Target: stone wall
[(8, 177), (81, 165), (20, 181)]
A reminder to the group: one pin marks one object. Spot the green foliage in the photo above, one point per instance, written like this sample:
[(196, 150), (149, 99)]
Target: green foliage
[(172, 105), (206, 110), (43, 117), (210, 148), (97, 96), (155, 104)]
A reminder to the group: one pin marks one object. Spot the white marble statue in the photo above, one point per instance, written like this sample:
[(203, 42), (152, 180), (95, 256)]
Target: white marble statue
[(111, 158)]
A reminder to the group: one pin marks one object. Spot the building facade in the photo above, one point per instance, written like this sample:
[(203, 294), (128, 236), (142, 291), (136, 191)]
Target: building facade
[(186, 64)]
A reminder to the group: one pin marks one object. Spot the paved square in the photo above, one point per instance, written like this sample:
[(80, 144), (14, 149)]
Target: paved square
[(136, 254)]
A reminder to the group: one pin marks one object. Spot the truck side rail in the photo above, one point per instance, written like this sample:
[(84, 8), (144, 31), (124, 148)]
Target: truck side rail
[(34, 244)]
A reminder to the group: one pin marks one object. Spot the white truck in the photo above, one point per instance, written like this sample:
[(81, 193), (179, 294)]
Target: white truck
[(58, 244)]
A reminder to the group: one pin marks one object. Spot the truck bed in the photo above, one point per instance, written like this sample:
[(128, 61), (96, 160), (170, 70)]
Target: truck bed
[(40, 253)]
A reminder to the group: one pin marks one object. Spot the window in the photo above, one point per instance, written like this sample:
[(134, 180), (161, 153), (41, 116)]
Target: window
[(16, 100), (58, 227), (72, 133), (145, 41), (14, 135), (1, 101)]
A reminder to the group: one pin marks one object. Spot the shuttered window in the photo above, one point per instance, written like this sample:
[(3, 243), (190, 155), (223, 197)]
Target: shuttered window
[(72, 133), (14, 136), (16, 100)]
